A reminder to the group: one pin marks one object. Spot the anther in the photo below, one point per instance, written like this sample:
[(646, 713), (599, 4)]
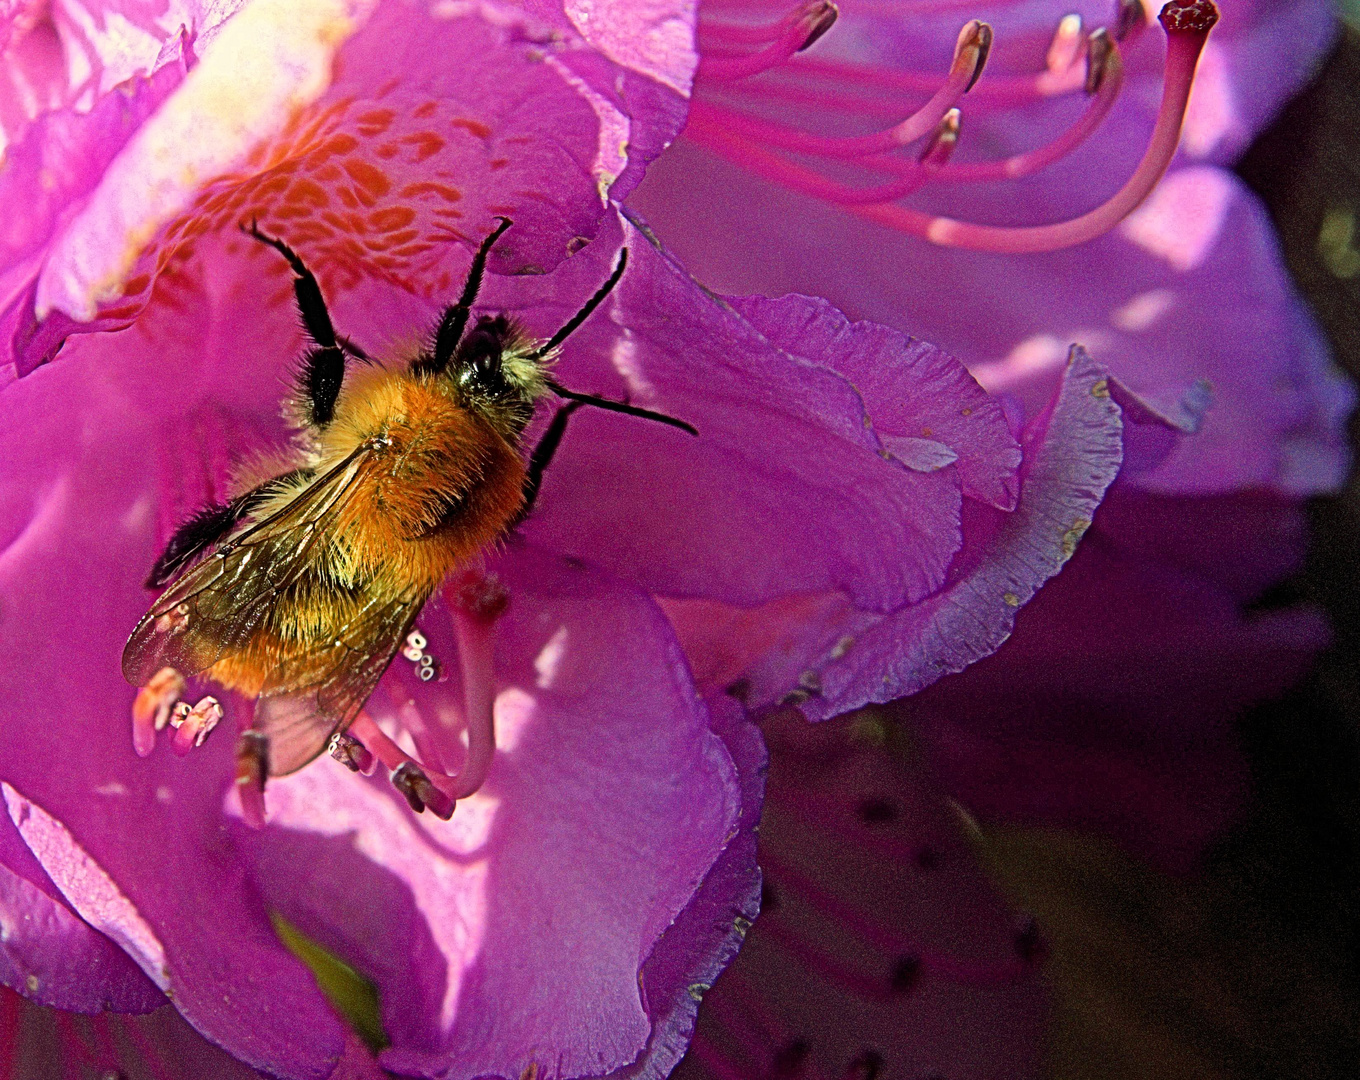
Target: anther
[(1187, 26), (1029, 943), (152, 706), (876, 811), (791, 1057), (411, 781), (350, 752), (937, 153), (820, 18), (1129, 15), (1099, 49), (971, 51), (194, 725), (1065, 47), (252, 771), (906, 973)]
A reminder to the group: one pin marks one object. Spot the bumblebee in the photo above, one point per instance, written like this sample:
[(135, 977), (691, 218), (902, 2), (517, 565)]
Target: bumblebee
[(299, 590)]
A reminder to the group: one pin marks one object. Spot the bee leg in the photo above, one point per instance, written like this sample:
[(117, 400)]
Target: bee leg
[(207, 527), (542, 457), (323, 366), (454, 320), (210, 526)]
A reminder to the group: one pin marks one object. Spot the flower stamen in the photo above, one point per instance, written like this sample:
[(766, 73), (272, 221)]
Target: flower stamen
[(970, 55), (152, 706), (193, 725), (795, 32), (913, 175), (252, 772), (758, 144), (1187, 28), (351, 753)]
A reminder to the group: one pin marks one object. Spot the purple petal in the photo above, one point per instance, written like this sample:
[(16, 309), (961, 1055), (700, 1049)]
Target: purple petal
[(834, 658), (1111, 706), (515, 935), (371, 176), (784, 490), (48, 953), (704, 938), (1192, 288), (78, 518), (911, 389)]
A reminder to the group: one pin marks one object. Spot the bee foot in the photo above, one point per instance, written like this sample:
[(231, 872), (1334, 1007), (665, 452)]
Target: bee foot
[(152, 707), (193, 725)]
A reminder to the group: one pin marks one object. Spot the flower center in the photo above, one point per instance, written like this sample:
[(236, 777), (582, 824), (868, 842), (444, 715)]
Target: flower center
[(750, 71)]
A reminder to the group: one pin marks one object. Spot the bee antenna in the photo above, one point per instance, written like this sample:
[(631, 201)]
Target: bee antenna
[(585, 312), (619, 407), (454, 321)]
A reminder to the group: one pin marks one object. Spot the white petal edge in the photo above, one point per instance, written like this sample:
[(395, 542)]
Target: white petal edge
[(271, 60), (86, 885)]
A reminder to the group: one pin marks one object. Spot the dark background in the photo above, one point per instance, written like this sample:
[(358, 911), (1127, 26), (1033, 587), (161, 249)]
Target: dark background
[(1253, 968)]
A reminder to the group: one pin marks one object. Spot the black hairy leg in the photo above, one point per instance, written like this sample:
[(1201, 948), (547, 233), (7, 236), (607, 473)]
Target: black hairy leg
[(542, 457), (323, 365), (209, 527), (455, 318)]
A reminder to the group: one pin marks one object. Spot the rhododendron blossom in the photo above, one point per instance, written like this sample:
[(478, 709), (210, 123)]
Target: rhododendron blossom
[(600, 872), (1110, 706)]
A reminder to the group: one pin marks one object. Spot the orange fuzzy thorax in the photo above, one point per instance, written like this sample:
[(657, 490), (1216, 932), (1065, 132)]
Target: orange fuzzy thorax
[(438, 486)]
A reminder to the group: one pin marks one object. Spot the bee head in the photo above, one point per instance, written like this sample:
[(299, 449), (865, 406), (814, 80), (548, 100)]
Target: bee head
[(493, 369)]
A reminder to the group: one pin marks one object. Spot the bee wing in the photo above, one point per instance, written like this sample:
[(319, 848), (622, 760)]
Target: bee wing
[(300, 719), (215, 608)]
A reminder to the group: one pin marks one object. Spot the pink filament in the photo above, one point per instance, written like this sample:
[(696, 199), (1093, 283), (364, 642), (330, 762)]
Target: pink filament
[(1032, 161), (1008, 89), (754, 34), (1183, 49), (709, 132), (967, 61), (252, 804), (475, 631), (146, 1046), (476, 654), (143, 733), (393, 757), (713, 1059), (827, 967), (11, 1016), (892, 942)]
